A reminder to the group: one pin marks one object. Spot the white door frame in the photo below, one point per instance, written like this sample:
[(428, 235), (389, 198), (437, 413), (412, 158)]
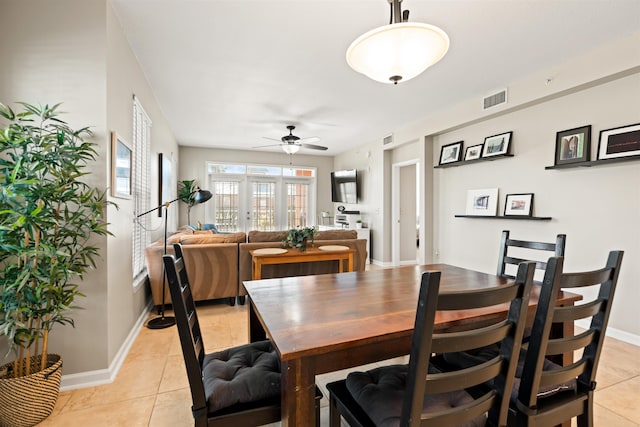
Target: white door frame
[(395, 207)]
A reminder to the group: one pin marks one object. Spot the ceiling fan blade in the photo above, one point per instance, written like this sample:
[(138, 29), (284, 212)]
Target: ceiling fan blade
[(271, 139), (310, 139), (314, 147), (270, 145)]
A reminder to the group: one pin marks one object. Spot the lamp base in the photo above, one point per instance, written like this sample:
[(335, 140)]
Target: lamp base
[(161, 322)]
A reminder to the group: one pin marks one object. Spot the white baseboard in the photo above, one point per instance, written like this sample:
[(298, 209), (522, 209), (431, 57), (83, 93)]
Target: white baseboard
[(614, 333), (106, 376), (381, 263)]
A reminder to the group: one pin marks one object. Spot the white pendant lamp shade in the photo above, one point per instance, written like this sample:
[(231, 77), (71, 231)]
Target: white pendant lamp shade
[(290, 148), (397, 52)]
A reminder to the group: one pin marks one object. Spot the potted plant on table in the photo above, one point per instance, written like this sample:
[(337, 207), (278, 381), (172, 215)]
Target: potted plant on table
[(299, 237), (48, 216), (187, 193)]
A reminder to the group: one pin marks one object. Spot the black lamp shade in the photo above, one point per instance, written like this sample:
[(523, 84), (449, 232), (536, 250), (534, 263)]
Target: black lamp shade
[(202, 196)]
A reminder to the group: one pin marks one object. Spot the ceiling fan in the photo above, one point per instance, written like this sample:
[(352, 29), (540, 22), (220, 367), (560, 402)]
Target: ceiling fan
[(291, 144)]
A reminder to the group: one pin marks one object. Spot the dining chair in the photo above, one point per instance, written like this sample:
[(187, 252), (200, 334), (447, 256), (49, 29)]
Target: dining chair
[(237, 386), (417, 394), (549, 394), (533, 251)]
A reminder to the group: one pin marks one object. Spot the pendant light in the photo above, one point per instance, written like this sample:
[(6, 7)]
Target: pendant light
[(399, 51)]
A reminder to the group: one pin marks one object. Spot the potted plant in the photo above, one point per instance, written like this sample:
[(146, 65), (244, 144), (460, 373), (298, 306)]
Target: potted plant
[(359, 223), (186, 192), (299, 237), (48, 216)]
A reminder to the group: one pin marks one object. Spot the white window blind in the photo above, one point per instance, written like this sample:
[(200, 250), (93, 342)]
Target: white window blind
[(141, 194)]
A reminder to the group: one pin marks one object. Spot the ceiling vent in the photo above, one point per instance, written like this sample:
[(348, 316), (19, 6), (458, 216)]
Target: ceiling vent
[(494, 100), (387, 140)]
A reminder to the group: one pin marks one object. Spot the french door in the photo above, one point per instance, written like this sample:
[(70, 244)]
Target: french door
[(278, 199)]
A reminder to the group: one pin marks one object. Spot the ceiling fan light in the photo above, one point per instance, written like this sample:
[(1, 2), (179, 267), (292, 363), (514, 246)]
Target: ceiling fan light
[(290, 148), (401, 50)]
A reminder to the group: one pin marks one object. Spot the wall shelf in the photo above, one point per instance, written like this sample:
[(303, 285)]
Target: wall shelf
[(467, 162), (588, 164), (530, 218)]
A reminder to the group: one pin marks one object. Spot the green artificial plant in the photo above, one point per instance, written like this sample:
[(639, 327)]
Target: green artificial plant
[(187, 193), (299, 236), (48, 215)]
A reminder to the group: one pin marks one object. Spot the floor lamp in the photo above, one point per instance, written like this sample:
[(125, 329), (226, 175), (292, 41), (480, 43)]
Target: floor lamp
[(200, 196)]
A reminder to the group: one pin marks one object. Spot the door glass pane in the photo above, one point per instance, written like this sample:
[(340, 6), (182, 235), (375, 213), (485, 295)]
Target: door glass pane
[(226, 205), (297, 205), (263, 204)]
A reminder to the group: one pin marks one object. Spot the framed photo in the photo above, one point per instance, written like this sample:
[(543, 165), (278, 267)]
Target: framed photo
[(518, 204), (619, 142), (121, 163), (164, 187), (451, 153), (482, 202), (497, 144), (474, 152), (573, 145)]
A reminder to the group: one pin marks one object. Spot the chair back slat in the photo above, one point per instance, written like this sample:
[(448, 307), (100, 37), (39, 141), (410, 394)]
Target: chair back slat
[(534, 251), (464, 378), (570, 344), (572, 313), (508, 333), (562, 375), (476, 338), (188, 326), (583, 370), (451, 417)]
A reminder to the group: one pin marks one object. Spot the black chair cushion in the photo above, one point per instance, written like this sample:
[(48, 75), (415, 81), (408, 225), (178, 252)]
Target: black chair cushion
[(242, 374), (465, 359), (379, 393)]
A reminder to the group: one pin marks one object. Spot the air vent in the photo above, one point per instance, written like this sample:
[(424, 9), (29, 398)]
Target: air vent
[(494, 100), (387, 140)]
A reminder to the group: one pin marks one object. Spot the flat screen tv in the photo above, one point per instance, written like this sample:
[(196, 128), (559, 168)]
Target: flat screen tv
[(344, 186)]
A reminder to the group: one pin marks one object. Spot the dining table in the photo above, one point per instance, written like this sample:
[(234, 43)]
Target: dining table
[(329, 322)]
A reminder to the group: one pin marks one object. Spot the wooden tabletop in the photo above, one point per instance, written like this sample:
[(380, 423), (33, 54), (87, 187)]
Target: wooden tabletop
[(329, 322), (292, 256)]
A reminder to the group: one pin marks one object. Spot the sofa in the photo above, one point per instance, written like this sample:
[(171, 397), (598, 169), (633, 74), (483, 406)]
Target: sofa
[(218, 263)]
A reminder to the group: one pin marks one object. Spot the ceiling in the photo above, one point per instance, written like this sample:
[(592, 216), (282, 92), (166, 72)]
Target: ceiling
[(228, 73)]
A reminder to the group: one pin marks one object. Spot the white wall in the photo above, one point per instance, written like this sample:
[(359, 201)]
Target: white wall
[(598, 208), (73, 51)]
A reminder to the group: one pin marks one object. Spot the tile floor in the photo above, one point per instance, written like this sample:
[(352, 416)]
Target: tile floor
[(151, 388)]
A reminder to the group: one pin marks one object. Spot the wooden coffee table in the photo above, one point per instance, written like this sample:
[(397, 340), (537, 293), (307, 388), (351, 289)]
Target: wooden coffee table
[(259, 258)]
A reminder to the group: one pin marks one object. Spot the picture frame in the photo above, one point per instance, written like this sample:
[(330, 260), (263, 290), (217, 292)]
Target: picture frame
[(164, 184), (573, 145), (451, 153), (518, 204), (121, 165), (482, 202), (619, 142), (497, 145), (473, 152)]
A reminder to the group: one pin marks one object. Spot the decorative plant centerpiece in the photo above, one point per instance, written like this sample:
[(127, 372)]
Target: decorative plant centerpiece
[(299, 237), (48, 216)]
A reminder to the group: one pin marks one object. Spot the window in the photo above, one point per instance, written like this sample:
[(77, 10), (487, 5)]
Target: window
[(260, 197), (140, 186)]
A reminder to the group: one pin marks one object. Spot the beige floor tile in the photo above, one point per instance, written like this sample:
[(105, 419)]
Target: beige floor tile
[(606, 417), (622, 398), (174, 376), (172, 409), (127, 413)]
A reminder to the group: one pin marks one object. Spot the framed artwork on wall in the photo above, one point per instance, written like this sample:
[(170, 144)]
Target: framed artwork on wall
[(121, 164), (619, 142), (518, 204), (497, 145), (573, 145), (474, 152), (164, 185), (451, 153), (482, 202)]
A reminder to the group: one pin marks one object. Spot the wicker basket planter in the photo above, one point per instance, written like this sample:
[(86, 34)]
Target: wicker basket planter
[(26, 401)]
